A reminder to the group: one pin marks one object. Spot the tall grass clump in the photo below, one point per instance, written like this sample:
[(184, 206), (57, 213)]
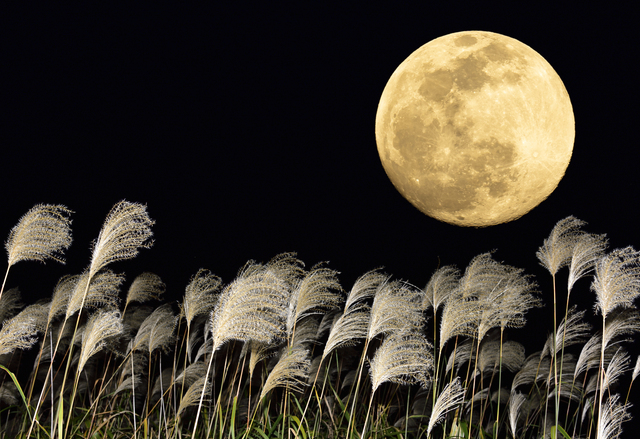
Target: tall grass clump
[(282, 350)]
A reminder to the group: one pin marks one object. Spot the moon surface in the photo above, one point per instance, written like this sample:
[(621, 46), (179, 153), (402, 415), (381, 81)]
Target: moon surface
[(475, 129)]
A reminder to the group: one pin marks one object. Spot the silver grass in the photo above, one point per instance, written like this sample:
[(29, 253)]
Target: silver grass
[(20, 331), (191, 374), (570, 390), (205, 348), (479, 395), (348, 328), (156, 332), (364, 287), (482, 276), (441, 284), (626, 322), (512, 356), (193, 395), (251, 308), (327, 322), (515, 405), (611, 418), (129, 383), (125, 231), (557, 249), (103, 291), (61, 296), (306, 332), (396, 308), (573, 391), (161, 335), (588, 407), (254, 306), (257, 353), (402, 358), (450, 398), (460, 317), (349, 380), (201, 294), (572, 330), (617, 366), (9, 304), (9, 394), (195, 337), (101, 326), (586, 251), (636, 369), (353, 324), (134, 317), (589, 357), (140, 363), (592, 384), (506, 305), (461, 354), (42, 233), (318, 378), (317, 292), (160, 384), (535, 368), (146, 286), (617, 280), (291, 371)]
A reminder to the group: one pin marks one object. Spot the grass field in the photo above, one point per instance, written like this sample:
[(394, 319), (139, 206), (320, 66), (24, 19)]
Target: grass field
[(286, 351)]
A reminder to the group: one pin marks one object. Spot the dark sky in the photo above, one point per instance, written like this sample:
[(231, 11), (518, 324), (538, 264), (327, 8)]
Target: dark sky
[(250, 131)]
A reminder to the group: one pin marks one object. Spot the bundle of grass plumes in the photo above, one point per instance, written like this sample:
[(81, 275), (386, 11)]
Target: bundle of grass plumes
[(284, 350)]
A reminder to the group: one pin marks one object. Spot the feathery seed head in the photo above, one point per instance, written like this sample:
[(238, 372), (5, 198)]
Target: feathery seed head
[(402, 358), (103, 291), (292, 371), (126, 229), (617, 280), (99, 328), (146, 286), (557, 249), (20, 332), (201, 295), (442, 283), (9, 303), (44, 232)]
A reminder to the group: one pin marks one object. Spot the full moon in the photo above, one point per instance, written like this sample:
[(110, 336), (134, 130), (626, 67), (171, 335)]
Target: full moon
[(475, 129)]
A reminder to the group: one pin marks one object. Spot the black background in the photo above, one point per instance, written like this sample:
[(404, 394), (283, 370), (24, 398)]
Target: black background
[(248, 130)]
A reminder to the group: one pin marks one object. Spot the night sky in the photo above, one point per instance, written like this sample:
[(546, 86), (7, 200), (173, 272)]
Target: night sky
[(250, 131)]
